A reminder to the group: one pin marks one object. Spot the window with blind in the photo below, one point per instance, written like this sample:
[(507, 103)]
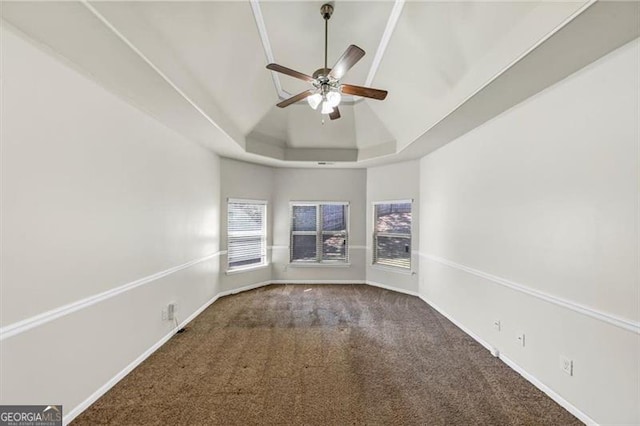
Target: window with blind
[(392, 234), (319, 232), (246, 233)]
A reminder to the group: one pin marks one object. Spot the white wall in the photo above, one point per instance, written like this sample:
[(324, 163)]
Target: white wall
[(400, 181), (282, 186), (528, 219), (319, 185), (247, 181), (95, 196), (544, 198)]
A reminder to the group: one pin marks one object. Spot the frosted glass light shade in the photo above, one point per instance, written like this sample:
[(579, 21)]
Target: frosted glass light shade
[(326, 108), (333, 98), (314, 100)]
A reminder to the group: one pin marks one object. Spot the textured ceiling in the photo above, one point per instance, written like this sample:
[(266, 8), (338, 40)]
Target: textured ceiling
[(200, 66)]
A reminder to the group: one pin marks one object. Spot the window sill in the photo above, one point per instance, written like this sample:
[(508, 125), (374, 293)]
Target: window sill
[(246, 269), (319, 265), (396, 270)]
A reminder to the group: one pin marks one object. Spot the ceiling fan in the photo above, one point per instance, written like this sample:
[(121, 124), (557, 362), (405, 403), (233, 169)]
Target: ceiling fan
[(326, 81)]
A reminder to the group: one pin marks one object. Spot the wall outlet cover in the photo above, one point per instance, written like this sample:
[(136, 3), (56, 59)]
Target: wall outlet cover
[(520, 339), (171, 310), (566, 365)]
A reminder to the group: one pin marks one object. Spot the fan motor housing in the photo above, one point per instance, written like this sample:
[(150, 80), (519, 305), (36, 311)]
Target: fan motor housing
[(321, 72)]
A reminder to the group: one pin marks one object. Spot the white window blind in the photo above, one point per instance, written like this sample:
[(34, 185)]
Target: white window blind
[(319, 232), (392, 234), (246, 233)]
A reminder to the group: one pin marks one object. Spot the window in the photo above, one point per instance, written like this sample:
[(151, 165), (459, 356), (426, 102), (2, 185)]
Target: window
[(246, 233), (392, 234), (319, 232)]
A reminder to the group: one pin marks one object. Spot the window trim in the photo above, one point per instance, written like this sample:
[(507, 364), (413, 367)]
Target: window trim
[(319, 233), (394, 269), (374, 246), (265, 262), (242, 269)]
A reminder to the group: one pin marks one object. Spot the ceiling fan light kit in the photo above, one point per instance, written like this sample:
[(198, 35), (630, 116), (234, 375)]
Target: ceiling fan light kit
[(314, 100), (327, 89)]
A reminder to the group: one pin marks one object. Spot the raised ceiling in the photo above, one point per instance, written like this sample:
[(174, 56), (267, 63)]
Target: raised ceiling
[(199, 67)]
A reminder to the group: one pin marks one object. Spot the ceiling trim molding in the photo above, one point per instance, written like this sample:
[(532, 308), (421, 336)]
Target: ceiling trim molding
[(394, 16), (148, 61), (287, 155), (266, 45), (531, 74), (587, 4)]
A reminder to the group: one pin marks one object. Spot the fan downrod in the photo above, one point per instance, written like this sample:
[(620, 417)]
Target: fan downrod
[(325, 80)]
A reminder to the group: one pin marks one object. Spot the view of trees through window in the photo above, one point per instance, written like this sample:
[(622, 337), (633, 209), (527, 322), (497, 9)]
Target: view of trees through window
[(319, 232), (392, 234)]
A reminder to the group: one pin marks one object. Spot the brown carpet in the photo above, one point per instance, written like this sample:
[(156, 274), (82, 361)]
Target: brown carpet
[(323, 355)]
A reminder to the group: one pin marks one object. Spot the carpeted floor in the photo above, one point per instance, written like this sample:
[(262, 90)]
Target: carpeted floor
[(323, 355)]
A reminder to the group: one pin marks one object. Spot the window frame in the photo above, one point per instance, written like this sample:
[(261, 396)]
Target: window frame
[(262, 233), (319, 233), (375, 234)]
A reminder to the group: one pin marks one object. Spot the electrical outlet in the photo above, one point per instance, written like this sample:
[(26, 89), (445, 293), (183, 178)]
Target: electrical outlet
[(566, 365), (496, 324), (520, 339), (171, 310)]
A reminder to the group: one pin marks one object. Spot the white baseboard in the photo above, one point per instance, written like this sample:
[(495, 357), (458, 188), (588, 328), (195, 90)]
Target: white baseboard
[(367, 282), (532, 379), (388, 287), (312, 282), (120, 375), (550, 392), (475, 337), (115, 379), (245, 288), (317, 282)]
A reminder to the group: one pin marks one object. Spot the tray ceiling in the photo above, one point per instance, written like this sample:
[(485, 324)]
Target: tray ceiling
[(200, 66)]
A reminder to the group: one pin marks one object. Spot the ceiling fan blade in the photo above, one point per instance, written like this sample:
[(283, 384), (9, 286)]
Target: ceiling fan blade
[(290, 72), (366, 92), (294, 99), (335, 114), (348, 59)]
